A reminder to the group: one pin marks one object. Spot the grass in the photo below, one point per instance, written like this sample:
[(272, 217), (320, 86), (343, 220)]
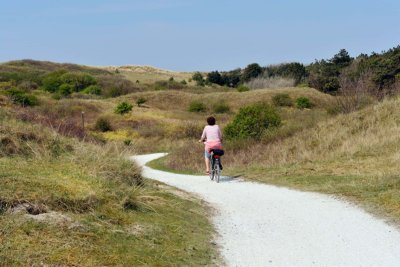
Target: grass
[(149, 75), (353, 155), (114, 218), (180, 100)]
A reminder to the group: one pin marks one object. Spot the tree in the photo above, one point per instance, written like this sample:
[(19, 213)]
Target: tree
[(215, 77), (251, 71), (324, 74), (231, 78), (294, 70), (342, 58), (198, 78)]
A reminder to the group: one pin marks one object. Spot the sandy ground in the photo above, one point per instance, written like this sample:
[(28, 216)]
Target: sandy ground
[(263, 225)]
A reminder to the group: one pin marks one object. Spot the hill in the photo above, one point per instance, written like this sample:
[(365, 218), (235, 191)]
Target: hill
[(351, 155), (314, 148), (64, 201), (148, 74)]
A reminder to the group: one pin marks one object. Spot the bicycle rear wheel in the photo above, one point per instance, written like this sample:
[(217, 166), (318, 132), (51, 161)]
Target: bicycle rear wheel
[(212, 169), (217, 172)]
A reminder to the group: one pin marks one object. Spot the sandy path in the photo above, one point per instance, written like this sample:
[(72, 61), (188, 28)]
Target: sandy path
[(262, 225)]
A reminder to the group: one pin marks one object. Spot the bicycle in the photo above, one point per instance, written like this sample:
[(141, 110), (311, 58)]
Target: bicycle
[(215, 164)]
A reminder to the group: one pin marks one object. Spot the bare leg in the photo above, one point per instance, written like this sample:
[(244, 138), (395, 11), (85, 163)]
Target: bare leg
[(207, 161)]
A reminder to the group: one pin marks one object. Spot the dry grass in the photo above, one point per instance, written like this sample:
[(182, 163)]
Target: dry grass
[(149, 75), (270, 82), (179, 101), (354, 155), (94, 204)]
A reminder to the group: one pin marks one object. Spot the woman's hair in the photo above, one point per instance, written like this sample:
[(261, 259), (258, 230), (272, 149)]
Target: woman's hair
[(211, 120)]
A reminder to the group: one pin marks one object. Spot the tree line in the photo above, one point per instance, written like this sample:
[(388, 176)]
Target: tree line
[(382, 71)]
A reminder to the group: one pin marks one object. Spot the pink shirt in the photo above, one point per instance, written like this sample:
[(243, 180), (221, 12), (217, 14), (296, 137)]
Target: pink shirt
[(212, 135)]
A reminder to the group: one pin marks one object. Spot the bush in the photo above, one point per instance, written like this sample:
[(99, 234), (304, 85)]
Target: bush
[(51, 82), (243, 88), (294, 70), (251, 71), (92, 90), (103, 125), (198, 78), (252, 121), (197, 106), (221, 107), (78, 81), (67, 82), (282, 100), (65, 89), (215, 77), (303, 102), (22, 98), (123, 108), (141, 101)]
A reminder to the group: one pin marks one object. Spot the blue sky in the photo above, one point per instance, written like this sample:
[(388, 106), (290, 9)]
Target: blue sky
[(191, 35)]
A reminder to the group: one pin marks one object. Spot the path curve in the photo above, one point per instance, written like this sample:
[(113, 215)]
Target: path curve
[(263, 225)]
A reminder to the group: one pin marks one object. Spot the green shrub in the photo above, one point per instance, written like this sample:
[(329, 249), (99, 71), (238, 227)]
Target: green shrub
[(197, 106), (141, 101), (242, 88), (78, 81), (92, 90), (221, 107), (282, 100), (52, 81), (252, 121), (183, 82), (65, 89), (21, 98), (67, 82), (123, 108), (103, 125), (303, 102)]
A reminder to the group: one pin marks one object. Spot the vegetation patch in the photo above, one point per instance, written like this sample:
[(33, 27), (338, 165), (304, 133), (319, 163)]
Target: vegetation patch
[(282, 100), (92, 198), (21, 97), (103, 125), (252, 121), (303, 102), (221, 107), (197, 106), (123, 108)]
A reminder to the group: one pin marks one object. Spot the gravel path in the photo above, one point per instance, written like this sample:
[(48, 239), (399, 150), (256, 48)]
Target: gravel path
[(263, 225)]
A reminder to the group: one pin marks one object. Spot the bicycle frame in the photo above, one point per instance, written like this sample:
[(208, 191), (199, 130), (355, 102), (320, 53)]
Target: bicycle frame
[(215, 172)]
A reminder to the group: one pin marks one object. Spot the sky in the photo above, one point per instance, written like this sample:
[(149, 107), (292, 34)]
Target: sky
[(189, 35)]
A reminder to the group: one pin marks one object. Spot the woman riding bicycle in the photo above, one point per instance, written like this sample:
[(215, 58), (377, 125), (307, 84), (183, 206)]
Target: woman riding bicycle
[(212, 139)]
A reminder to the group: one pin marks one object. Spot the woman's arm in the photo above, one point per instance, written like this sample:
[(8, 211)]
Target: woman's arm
[(203, 135)]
